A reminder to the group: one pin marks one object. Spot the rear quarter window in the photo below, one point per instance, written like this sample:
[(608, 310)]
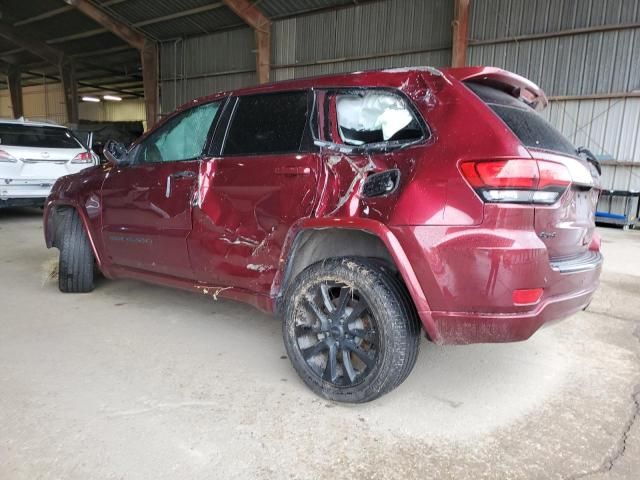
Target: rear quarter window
[(371, 116), (530, 128), (39, 137)]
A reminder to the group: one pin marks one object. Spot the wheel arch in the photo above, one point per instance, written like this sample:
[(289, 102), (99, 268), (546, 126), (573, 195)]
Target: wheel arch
[(55, 214), (313, 240)]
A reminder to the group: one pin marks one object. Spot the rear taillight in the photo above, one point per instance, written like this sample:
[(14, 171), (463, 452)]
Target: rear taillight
[(517, 180), (84, 157), (5, 157)]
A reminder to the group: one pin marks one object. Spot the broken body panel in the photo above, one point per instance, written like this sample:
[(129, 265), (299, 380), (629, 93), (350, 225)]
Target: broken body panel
[(229, 225)]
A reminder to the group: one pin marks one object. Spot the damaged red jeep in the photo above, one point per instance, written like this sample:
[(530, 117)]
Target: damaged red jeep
[(361, 208)]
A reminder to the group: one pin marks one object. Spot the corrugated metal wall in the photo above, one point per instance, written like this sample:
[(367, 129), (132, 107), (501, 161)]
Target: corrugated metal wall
[(600, 59), (393, 33), (389, 33), (200, 66)]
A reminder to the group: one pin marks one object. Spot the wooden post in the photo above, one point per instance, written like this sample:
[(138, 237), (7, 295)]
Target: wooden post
[(70, 89), (460, 33), (263, 53), (253, 17), (149, 59), (14, 80)]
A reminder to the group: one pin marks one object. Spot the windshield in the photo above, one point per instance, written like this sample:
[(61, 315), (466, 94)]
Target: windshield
[(532, 130), (40, 137)]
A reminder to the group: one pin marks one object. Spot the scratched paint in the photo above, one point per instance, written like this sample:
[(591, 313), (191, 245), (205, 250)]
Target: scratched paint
[(212, 291)]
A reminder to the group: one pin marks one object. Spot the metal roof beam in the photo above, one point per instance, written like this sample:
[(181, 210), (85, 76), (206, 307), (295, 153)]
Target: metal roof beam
[(185, 13), (118, 28), (85, 84), (142, 23), (58, 11), (56, 57), (103, 51), (26, 41)]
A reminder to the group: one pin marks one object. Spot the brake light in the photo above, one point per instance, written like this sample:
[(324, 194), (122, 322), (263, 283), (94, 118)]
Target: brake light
[(83, 157), (6, 157), (527, 296), (517, 180)]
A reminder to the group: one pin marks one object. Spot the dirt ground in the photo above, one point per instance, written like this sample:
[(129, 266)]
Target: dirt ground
[(136, 381)]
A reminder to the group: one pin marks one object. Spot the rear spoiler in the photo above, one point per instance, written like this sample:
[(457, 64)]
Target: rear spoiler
[(513, 84)]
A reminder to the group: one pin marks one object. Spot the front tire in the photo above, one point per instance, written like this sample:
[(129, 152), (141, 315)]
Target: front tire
[(350, 329), (76, 263)]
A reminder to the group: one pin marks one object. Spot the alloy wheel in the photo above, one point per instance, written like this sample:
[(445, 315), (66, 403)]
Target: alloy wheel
[(337, 335)]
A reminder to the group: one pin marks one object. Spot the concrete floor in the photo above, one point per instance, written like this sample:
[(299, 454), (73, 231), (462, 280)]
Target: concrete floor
[(135, 381)]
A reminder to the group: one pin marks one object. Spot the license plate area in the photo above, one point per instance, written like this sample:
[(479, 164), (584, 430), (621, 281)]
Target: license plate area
[(583, 205)]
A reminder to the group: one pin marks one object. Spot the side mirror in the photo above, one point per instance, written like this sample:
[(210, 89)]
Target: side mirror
[(115, 152)]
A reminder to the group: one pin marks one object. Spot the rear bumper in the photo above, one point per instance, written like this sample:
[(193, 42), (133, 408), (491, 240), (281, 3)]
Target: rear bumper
[(35, 189), (468, 276), (462, 328)]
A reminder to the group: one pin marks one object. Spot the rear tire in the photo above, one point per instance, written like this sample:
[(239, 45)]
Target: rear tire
[(350, 329), (76, 263)]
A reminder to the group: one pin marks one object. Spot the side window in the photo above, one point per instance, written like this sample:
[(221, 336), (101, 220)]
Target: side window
[(267, 123), (182, 138), (374, 116)]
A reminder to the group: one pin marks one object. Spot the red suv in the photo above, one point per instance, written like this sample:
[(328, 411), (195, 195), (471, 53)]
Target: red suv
[(359, 207)]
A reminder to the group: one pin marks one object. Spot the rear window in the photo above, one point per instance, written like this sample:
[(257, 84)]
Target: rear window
[(41, 137), (267, 123), (532, 130)]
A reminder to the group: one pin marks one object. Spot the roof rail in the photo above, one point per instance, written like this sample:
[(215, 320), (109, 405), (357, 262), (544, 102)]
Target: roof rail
[(44, 120)]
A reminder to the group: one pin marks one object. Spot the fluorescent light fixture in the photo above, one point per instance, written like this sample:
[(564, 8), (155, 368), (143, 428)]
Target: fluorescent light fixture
[(90, 99), (113, 98)]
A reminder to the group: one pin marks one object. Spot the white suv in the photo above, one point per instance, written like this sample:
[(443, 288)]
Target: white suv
[(33, 155)]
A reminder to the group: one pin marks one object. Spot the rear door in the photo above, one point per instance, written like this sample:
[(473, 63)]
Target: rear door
[(261, 179), (147, 204), (567, 226)]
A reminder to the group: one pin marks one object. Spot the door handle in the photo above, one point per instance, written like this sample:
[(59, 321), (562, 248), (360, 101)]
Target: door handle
[(291, 170), (183, 174), (176, 175)]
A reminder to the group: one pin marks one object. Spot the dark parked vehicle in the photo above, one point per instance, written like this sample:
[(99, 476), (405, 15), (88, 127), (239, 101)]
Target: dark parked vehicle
[(360, 207)]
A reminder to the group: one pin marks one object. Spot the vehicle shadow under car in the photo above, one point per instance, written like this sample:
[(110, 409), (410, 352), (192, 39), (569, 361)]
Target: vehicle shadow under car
[(8, 214)]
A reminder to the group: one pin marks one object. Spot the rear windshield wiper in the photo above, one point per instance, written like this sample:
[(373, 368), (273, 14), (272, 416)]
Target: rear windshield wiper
[(590, 157)]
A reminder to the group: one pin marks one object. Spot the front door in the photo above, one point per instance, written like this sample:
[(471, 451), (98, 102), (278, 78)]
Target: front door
[(147, 203)]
